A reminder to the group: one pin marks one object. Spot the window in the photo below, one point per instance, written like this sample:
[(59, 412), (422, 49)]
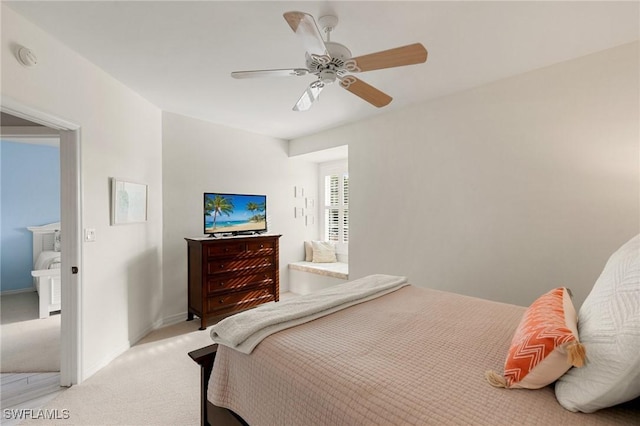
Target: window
[(335, 192)]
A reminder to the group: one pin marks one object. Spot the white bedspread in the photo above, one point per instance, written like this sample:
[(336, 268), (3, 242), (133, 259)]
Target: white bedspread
[(245, 330)]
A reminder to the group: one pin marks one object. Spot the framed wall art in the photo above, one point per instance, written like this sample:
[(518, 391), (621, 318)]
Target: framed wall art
[(128, 202)]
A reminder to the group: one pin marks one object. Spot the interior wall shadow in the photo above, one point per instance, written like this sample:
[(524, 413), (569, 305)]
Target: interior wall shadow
[(144, 294)]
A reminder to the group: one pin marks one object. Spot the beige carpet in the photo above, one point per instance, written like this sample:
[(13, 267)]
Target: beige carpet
[(153, 383), (28, 344)]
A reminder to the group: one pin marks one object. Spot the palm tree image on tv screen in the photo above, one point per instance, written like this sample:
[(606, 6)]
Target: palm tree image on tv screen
[(234, 213)]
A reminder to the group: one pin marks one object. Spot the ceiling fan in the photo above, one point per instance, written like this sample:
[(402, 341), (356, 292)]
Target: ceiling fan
[(331, 61)]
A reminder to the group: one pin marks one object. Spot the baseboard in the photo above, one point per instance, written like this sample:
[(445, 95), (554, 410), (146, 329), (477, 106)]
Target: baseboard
[(121, 349), (174, 319), (157, 324), (18, 291), (93, 369)]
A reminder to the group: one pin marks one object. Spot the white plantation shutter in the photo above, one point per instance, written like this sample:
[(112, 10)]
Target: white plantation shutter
[(333, 225), (345, 205), (345, 189), (336, 206), (332, 190), (345, 225)]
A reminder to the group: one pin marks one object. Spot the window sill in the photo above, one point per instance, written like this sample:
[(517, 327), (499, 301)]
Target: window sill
[(335, 269)]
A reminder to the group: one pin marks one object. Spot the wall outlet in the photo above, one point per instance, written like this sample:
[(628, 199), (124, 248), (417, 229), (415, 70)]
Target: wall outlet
[(89, 235)]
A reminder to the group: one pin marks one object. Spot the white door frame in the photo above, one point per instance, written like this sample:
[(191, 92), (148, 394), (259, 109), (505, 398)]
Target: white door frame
[(71, 242)]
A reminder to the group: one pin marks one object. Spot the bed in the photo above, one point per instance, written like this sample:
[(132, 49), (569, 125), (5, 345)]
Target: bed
[(410, 356), (46, 267)]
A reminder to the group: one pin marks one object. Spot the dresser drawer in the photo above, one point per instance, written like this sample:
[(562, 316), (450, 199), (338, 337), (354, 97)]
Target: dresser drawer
[(225, 249), (261, 246), (249, 297), (219, 266), (223, 284)]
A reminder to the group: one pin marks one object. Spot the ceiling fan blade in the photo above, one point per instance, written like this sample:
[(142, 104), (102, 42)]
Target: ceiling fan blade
[(397, 57), (296, 72), (306, 29), (367, 92), (309, 96)]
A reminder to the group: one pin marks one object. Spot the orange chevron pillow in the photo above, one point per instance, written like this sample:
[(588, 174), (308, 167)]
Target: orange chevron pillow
[(545, 344)]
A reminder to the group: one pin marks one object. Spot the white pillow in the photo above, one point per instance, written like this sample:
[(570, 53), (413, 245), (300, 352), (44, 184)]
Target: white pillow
[(609, 326), (323, 252), (308, 251), (56, 240)]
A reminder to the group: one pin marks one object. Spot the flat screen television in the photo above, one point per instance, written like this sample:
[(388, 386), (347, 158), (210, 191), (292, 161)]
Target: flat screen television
[(234, 213)]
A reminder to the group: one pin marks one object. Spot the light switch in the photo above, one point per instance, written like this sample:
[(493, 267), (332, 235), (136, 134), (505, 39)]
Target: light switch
[(89, 235)]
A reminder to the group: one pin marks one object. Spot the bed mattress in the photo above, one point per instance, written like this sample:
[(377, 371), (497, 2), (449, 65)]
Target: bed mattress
[(414, 356)]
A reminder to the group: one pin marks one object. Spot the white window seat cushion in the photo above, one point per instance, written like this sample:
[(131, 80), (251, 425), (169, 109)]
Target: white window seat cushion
[(334, 269)]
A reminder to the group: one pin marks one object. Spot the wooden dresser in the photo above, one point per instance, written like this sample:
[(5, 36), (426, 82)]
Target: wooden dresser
[(231, 274)]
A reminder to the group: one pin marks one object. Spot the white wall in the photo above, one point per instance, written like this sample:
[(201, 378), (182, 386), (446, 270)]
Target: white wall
[(120, 136), (203, 157), (504, 191)]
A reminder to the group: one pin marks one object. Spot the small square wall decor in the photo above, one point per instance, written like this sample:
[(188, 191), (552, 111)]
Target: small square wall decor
[(309, 220), (128, 202), (309, 202)]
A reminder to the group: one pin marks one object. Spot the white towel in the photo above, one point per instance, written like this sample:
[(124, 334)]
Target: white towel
[(245, 330)]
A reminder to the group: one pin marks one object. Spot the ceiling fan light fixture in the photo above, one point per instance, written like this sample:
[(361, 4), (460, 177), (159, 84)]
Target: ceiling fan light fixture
[(327, 76)]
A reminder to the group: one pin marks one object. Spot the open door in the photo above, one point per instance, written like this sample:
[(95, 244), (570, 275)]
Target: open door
[(70, 218)]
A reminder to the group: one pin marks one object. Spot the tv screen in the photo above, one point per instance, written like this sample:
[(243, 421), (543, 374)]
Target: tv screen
[(234, 213)]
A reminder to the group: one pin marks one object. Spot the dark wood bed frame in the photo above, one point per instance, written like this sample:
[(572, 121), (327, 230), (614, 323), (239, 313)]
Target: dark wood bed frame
[(209, 413)]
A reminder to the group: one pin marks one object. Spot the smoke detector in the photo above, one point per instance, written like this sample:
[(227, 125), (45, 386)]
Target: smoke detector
[(26, 57)]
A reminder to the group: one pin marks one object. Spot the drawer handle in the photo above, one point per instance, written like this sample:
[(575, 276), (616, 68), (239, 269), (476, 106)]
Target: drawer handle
[(226, 249), (261, 245), (221, 266), (221, 283), (221, 301)]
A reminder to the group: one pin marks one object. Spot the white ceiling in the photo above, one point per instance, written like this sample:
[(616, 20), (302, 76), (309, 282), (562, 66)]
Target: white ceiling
[(179, 55)]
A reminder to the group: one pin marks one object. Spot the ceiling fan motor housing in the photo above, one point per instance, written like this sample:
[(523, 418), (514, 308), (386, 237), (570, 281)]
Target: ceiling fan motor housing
[(338, 51), (328, 67)]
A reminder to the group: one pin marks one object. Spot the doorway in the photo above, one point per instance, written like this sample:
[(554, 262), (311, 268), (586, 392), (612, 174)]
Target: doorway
[(70, 214), (30, 350)]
